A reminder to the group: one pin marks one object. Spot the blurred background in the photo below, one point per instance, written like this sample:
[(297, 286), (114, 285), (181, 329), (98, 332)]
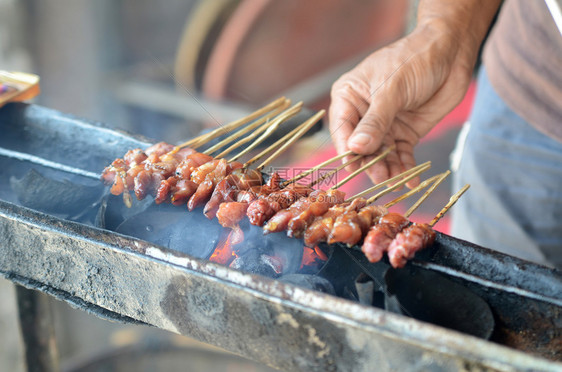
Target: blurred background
[(169, 69)]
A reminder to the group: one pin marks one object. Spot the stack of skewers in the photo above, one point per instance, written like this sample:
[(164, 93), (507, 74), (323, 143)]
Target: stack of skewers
[(231, 191)]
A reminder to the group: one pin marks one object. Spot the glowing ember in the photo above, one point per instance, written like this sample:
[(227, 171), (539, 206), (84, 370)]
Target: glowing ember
[(224, 252), (313, 256)]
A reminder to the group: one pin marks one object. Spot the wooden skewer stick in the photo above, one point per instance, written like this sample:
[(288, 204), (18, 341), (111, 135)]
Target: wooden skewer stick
[(269, 128), (315, 168), (334, 171), (272, 128), (273, 146), (398, 184), (451, 202), (366, 166), (248, 128), (427, 193), (388, 181), (285, 141), (413, 191), (309, 123), (201, 140)]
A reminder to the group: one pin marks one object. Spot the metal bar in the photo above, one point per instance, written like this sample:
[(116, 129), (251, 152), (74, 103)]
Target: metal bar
[(36, 324)]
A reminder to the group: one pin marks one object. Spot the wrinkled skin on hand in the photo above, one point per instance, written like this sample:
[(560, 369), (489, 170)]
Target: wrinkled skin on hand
[(400, 92)]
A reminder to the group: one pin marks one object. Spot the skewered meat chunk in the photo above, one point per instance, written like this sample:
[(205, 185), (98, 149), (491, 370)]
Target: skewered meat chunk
[(280, 220), (206, 188), (350, 227), (165, 189), (114, 175), (270, 198), (190, 163), (320, 229), (175, 190), (225, 191), (142, 171), (179, 189), (380, 235), (264, 201), (265, 206), (143, 183), (183, 191), (135, 156), (411, 239), (319, 205), (159, 149), (166, 164), (200, 173), (230, 214), (240, 181)]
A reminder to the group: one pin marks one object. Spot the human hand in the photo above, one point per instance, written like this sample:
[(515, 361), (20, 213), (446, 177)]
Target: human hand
[(399, 93)]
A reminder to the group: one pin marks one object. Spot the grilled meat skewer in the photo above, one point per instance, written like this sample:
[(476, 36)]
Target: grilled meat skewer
[(407, 242), (380, 235)]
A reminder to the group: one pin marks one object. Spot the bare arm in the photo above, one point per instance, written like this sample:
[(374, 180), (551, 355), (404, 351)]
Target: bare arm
[(400, 92)]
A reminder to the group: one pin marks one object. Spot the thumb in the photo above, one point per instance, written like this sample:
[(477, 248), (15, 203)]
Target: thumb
[(375, 124)]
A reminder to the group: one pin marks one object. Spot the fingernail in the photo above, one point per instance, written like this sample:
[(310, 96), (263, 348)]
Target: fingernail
[(360, 139)]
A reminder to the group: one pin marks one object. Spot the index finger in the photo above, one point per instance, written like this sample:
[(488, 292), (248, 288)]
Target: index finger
[(343, 119)]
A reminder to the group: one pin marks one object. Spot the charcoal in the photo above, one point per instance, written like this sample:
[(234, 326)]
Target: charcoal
[(313, 282), (289, 250), (286, 250), (255, 262)]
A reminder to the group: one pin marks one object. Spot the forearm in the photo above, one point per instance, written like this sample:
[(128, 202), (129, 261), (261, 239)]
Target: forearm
[(466, 20)]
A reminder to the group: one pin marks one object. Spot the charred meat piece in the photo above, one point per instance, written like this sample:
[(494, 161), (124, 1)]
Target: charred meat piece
[(319, 205), (200, 173), (321, 227), (158, 168), (280, 220), (227, 190), (183, 191), (380, 235), (411, 239), (115, 175), (190, 163), (263, 208), (264, 201), (230, 214), (270, 199), (350, 227), (206, 188), (142, 171)]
